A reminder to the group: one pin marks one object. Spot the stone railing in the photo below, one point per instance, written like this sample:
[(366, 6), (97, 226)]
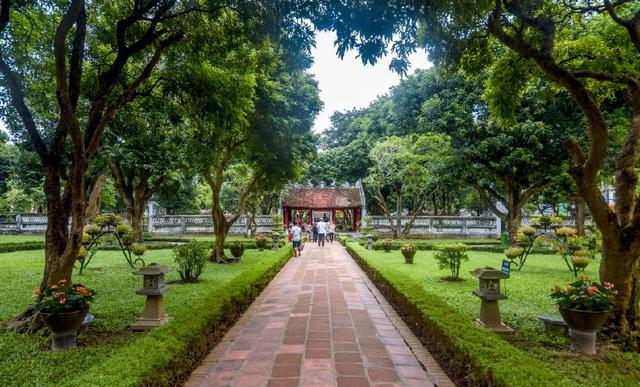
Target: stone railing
[(201, 224), (443, 225)]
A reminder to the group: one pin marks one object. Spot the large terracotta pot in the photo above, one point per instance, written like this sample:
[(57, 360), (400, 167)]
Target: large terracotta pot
[(408, 256), (584, 320), (64, 327)]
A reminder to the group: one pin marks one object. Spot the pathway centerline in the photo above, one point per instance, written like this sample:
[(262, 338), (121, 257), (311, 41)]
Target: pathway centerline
[(319, 323)]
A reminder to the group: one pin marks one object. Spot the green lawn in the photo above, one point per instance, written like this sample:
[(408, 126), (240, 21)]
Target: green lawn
[(528, 293), (27, 361)]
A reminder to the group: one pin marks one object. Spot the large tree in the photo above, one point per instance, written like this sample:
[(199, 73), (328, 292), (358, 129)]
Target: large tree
[(590, 49), (248, 107)]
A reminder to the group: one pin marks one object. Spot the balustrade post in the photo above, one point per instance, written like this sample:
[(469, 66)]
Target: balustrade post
[(464, 227), (19, 222), (183, 224)]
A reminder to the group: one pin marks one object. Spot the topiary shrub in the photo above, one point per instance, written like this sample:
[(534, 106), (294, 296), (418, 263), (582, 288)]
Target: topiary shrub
[(408, 251), (514, 252), (237, 249), (451, 257), (123, 229), (528, 231), (190, 259), (581, 259), (261, 242), (92, 229), (138, 249), (565, 232), (387, 244)]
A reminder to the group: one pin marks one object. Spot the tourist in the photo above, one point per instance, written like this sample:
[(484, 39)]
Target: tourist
[(307, 228), (332, 231), (322, 232), (296, 237), (315, 230), (289, 237)]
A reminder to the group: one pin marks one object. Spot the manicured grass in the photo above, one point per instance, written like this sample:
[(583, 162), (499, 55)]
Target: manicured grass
[(448, 309), (110, 355)]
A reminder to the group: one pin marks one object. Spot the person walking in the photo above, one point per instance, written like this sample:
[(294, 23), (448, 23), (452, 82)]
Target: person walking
[(332, 231), (296, 238), (322, 232), (307, 228), (315, 230)]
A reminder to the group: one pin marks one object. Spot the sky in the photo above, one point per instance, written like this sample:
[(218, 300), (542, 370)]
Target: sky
[(346, 84)]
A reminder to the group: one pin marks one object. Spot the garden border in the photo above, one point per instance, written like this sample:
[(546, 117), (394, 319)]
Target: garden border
[(167, 355), (469, 355)]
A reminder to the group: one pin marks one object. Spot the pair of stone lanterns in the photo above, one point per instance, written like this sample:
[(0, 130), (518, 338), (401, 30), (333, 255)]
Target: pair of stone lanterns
[(154, 288), (489, 294)]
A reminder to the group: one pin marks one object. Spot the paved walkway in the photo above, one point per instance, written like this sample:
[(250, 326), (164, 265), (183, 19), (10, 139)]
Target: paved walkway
[(320, 323)]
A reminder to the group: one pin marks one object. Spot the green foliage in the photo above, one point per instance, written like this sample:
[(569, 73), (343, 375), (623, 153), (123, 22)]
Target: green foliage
[(63, 297), (584, 294), (21, 246), (109, 354), (514, 252), (138, 249), (261, 241), (580, 260), (442, 313), (93, 229), (123, 229), (451, 257), (190, 259), (408, 248), (237, 249), (387, 244)]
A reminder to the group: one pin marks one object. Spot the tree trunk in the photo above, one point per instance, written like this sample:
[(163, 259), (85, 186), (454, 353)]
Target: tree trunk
[(220, 231), (580, 215), (135, 217), (94, 202), (620, 267), (399, 208), (514, 212)]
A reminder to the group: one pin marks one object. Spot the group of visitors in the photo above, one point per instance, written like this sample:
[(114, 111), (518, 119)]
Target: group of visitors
[(318, 231)]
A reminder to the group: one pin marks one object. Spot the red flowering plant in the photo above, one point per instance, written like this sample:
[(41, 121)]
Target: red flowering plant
[(584, 294), (63, 297)]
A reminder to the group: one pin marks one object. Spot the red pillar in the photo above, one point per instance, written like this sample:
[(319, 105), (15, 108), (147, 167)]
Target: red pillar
[(356, 219), (286, 216), (333, 216)]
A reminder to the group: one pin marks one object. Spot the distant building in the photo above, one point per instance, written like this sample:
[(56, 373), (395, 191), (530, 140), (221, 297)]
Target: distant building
[(342, 205)]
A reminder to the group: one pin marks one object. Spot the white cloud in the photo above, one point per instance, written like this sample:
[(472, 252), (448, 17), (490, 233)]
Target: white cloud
[(346, 84)]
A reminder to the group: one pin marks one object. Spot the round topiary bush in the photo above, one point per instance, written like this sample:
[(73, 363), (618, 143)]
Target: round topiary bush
[(514, 252), (261, 242), (123, 229), (138, 249), (408, 251), (565, 232), (386, 245), (92, 229), (237, 250), (580, 261), (528, 231)]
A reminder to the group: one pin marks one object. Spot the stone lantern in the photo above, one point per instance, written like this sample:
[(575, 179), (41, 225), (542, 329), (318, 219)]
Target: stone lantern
[(154, 288), (489, 293), (369, 242), (276, 238)]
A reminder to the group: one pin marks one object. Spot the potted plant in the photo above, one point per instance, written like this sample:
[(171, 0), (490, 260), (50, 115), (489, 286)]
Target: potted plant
[(237, 249), (408, 250), (261, 242), (63, 308), (584, 305), (386, 245)]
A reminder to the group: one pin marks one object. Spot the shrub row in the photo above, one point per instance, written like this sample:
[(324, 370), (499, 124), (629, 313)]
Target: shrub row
[(20, 246), (167, 355), (481, 359), (473, 246)]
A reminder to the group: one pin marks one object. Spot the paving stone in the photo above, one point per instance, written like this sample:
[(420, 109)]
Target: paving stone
[(320, 323)]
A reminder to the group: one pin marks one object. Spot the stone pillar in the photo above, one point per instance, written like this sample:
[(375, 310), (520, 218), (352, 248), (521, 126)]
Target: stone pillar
[(150, 217), (498, 227)]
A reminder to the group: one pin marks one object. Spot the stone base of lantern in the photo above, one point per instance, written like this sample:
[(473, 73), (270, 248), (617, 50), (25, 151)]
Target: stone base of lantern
[(501, 328), (153, 315), (583, 342), (490, 317)]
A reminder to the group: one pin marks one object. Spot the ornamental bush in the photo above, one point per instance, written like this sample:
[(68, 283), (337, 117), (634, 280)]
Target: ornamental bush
[(138, 249), (514, 252), (408, 248), (190, 259), (451, 257), (528, 231), (387, 244), (565, 232)]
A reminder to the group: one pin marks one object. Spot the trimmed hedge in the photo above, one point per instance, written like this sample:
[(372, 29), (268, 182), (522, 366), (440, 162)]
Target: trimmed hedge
[(167, 355), (473, 246), (480, 358), (21, 246)]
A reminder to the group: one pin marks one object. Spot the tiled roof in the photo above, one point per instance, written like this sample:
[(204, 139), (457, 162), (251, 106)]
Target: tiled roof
[(322, 198)]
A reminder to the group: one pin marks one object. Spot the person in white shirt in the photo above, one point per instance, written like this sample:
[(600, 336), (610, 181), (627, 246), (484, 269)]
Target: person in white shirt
[(296, 236), (332, 231), (322, 232)]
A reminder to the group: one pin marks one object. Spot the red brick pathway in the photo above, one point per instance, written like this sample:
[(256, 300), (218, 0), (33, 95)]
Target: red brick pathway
[(320, 323)]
